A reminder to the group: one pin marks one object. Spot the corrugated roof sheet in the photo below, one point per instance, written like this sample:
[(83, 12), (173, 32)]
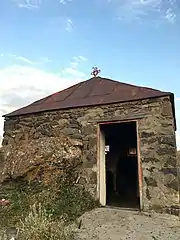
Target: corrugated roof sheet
[(95, 91)]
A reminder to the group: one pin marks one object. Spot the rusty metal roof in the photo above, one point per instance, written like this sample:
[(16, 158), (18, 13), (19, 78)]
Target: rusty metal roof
[(95, 91)]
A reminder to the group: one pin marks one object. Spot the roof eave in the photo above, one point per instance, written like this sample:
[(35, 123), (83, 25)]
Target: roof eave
[(9, 115)]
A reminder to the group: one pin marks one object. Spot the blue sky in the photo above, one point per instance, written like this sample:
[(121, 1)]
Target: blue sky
[(47, 45)]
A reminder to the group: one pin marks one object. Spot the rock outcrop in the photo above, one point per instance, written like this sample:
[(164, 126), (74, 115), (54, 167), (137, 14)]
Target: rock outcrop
[(43, 160)]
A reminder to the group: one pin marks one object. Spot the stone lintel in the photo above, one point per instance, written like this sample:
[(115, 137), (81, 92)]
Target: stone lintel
[(124, 118)]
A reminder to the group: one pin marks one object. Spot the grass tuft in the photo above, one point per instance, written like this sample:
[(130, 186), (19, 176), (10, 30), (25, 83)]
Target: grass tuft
[(44, 212)]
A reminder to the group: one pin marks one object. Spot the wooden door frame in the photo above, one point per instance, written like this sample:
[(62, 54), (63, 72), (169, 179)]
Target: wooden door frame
[(101, 169)]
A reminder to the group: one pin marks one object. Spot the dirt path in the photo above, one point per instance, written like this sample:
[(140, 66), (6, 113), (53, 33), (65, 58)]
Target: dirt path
[(113, 224)]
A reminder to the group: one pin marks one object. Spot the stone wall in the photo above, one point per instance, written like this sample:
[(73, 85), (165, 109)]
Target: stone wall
[(38, 143)]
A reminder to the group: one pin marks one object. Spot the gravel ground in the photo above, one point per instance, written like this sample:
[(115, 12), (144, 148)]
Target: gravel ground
[(115, 224)]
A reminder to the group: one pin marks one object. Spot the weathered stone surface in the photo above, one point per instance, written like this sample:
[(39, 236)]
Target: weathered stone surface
[(173, 184), (178, 159), (91, 157), (170, 162), (145, 134), (45, 145), (89, 129), (150, 181), (43, 159), (148, 194), (172, 171)]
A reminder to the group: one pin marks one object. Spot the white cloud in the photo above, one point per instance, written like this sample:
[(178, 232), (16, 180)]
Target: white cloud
[(28, 4), (69, 26), (19, 59), (178, 140), (80, 58), (145, 9), (73, 69), (23, 59), (45, 59), (26, 60), (22, 85), (74, 72), (65, 1), (170, 15), (77, 60), (57, 23)]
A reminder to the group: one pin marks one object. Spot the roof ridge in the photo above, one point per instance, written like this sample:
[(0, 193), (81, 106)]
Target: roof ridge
[(130, 84)]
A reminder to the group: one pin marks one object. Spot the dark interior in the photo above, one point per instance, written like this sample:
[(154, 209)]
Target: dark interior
[(123, 191)]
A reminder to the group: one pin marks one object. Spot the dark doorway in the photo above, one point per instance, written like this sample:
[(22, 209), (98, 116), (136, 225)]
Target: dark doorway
[(122, 188)]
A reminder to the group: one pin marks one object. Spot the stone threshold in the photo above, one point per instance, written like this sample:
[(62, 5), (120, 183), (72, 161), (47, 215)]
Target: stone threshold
[(121, 208)]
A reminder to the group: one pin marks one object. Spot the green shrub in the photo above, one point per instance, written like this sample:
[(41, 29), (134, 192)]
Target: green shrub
[(59, 201), (39, 225), (72, 202), (21, 196)]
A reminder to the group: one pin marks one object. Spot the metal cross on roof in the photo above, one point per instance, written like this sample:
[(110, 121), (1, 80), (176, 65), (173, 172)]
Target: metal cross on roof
[(95, 71)]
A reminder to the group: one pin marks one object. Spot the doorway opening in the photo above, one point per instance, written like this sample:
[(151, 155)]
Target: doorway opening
[(118, 148)]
